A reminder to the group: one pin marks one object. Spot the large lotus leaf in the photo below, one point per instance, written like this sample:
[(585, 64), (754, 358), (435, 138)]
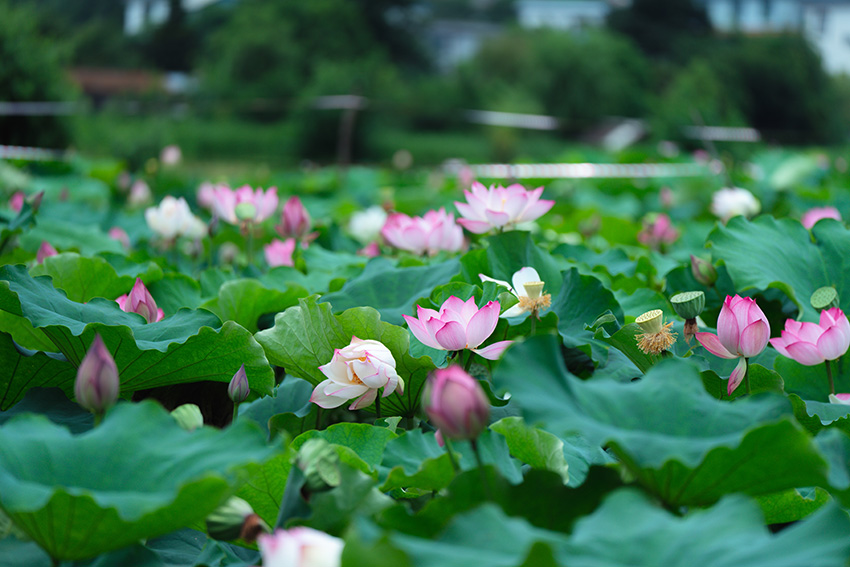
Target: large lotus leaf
[(614, 261), (791, 505), (190, 346), (64, 235), (83, 278), (508, 252), (245, 300), (292, 396), (816, 416), (304, 337), (534, 446), (780, 253), (811, 382), (581, 301), (26, 370), (136, 476), (677, 440), (391, 290), (16, 553), (191, 548), (176, 291)]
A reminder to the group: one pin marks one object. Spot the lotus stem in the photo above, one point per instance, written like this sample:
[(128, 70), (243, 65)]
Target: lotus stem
[(378, 407), (829, 377), (747, 375), (484, 482), (452, 459)]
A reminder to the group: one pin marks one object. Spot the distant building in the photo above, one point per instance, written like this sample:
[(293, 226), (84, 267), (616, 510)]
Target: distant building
[(563, 14), (455, 41), (140, 14)]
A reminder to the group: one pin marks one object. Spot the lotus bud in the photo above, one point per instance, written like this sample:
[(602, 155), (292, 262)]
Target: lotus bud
[(824, 298), (703, 270), (246, 211), (238, 389), (142, 302), (656, 337), (235, 519), (294, 220), (97, 384), (456, 404), (35, 201), (45, 251), (319, 462), (188, 416), (688, 306), (843, 399)]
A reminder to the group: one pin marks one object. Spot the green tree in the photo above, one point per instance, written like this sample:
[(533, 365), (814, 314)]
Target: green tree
[(663, 28)]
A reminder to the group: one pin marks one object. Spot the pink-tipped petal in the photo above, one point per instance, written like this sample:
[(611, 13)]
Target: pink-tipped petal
[(452, 336), (737, 375), (323, 400), (365, 400), (805, 353), (754, 338), (474, 226), (536, 210), (493, 351), (420, 332), (833, 343), (781, 343), (713, 345), (482, 324), (727, 329)]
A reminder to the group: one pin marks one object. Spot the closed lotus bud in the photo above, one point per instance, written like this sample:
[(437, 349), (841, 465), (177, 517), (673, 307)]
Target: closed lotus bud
[(319, 462), (294, 220), (188, 416), (235, 519), (238, 389), (35, 201), (456, 404), (45, 251), (142, 302), (97, 384), (704, 272)]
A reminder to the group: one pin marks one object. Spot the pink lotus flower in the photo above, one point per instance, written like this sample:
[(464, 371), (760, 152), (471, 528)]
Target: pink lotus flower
[(456, 404), (97, 386), (244, 204), (371, 250), (279, 252), (742, 332), (140, 301), (140, 193), (657, 231), (45, 251), (170, 155), (294, 220), (239, 388), (434, 232), (811, 344), (500, 207), (119, 234), (840, 399), (300, 547), (459, 325), (16, 201), (812, 216), (206, 195), (359, 369)]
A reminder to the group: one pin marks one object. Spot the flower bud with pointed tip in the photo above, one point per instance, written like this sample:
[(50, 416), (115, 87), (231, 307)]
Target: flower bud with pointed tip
[(97, 384), (140, 301), (45, 251), (235, 519), (456, 404), (35, 201), (238, 389), (294, 220), (188, 416), (703, 271)]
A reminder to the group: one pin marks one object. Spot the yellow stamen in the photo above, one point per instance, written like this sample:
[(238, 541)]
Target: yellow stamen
[(656, 343)]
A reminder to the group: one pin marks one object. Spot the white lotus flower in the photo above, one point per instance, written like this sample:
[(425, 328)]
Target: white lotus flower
[(528, 288)]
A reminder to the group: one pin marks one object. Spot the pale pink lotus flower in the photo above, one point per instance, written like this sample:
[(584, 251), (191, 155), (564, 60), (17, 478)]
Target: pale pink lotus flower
[(657, 231), (173, 218), (206, 195), (371, 250), (140, 301), (665, 197), (366, 225), (812, 216), (357, 371), (279, 252), (520, 279), (458, 325), (295, 221), (16, 201), (732, 201), (300, 547), (170, 155), (742, 332), (500, 207), (455, 404), (119, 234), (45, 251), (97, 385), (244, 204), (811, 344), (431, 233), (140, 194), (840, 399)]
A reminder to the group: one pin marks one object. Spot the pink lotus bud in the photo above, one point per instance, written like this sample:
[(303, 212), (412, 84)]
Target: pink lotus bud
[(44, 251), (238, 389), (35, 201), (357, 371), (170, 155), (294, 220), (500, 207), (455, 403), (16, 201), (140, 194), (812, 216), (840, 399), (371, 250), (141, 301), (300, 547), (657, 231), (811, 344), (665, 196), (120, 235), (97, 384), (703, 271), (279, 252)]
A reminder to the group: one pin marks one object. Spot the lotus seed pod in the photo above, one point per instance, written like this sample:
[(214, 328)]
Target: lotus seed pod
[(246, 211), (651, 321), (235, 519), (824, 298), (688, 305)]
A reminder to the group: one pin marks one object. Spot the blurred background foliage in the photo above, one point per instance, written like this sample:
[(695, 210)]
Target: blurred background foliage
[(258, 67)]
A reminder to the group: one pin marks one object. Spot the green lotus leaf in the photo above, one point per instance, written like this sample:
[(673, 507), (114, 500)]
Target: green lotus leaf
[(816, 416), (176, 291), (190, 346), (533, 446), (28, 370), (682, 444), (304, 337), (245, 300), (137, 475)]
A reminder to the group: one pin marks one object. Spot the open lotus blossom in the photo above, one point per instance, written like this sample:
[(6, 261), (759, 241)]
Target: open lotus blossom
[(500, 207), (528, 288), (140, 301), (359, 369), (300, 547), (812, 216), (431, 233), (458, 325), (840, 399), (244, 204), (173, 218), (742, 332), (811, 344), (657, 231), (279, 252), (732, 201)]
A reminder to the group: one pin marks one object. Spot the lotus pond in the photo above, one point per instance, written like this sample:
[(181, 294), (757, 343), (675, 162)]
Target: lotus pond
[(391, 368)]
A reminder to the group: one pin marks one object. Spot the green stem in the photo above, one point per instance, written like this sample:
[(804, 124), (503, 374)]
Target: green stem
[(452, 459), (235, 413), (747, 374), (484, 482), (98, 417), (378, 407), (829, 377), (318, 417), (249, 243), (533, 322), (468, 362)]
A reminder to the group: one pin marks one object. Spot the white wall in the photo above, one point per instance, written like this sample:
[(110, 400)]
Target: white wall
[(561, 14), (828, 28)]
